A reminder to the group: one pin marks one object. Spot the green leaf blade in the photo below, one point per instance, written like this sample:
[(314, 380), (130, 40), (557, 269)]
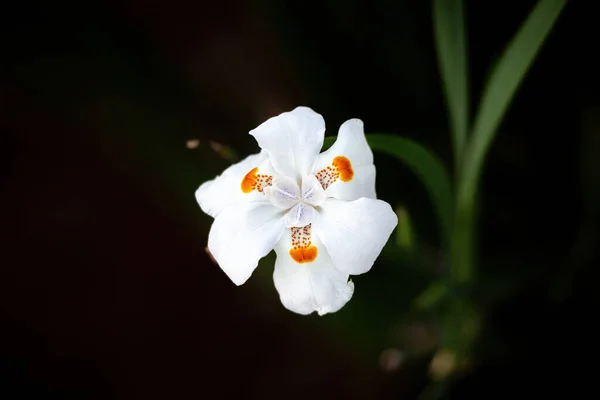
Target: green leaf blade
[(450, 39), (504, 81)]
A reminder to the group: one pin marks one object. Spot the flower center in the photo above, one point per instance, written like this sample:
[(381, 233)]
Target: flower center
[(299, 201), (286, 194)]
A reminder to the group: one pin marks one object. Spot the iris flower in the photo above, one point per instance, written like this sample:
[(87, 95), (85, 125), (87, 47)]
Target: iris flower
[(319, 212)]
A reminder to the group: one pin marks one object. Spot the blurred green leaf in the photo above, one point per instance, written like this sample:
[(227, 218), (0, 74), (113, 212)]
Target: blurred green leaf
[(435, 293), (450, 38), (504, 81), (405, 237), (428, 168), (426, 165)]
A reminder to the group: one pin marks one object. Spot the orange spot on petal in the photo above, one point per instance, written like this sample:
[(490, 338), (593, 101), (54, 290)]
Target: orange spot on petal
[(249, 181), (304, 254), (344, 168)]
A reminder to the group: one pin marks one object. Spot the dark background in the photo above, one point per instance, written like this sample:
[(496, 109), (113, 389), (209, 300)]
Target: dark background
[(105, 288)]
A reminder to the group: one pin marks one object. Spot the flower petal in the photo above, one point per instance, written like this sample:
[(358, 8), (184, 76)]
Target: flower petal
[(346, 169), (312, 191), (362, 185), (354, 232), (284, 194), (214, 195), (243, 234), (299, 216), (293, 140), (311, 286)]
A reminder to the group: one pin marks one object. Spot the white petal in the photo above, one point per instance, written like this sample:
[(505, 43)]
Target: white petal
[(361, 185), (243, 234), (299, 216), (312, 286), (293, 140), (213, 196), (312, 191), (352, 144), (354, 232), (284, 193)]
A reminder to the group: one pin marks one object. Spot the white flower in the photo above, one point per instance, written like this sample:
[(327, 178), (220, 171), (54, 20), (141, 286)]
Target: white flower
[(318, 211)]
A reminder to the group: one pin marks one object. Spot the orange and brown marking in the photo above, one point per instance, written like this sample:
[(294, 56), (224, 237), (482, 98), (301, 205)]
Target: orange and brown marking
[(255, 181), (344, 168), (302, 250), (340, 168)]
